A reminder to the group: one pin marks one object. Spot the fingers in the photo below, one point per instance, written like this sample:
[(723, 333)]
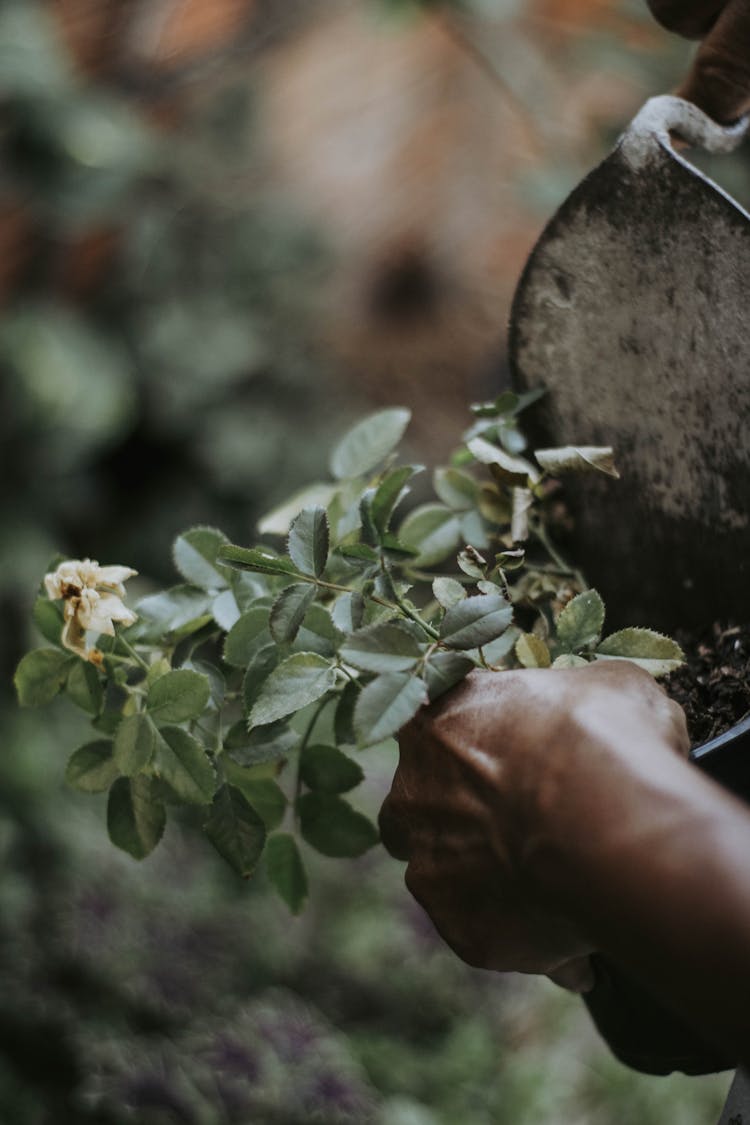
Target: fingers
[(719, 81), (691, 18)]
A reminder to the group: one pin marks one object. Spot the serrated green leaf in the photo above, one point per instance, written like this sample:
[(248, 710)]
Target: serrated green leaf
[(48, 619), (178, 695), (318, 633), (299, 680), (386, 704), (653, 651), (183, 763), (263, 793), (235, 830), (386, 647), (135, 743), (135, 817), (471, 563), (225, 610), (388, 493), (278, 521), (580, 623), (181, 610), (246, 637), (448, 592), (309, 541), (569, 660), (455, 488), (476, 621), (444, 670), (41, 675), (92, 768), (358, 552), (333, 827), (325, 769), (257, 672), (433, 530), (496, 651), (289, 611), (257, 560), (578, 459), (343, 721), (532, 652), (195, 555), (84, 687), (216, 683), (286, 872), (369, 442), (268, 743), (348, 612)]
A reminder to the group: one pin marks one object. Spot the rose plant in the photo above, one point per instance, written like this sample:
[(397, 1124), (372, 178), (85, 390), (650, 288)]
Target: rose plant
[(247, 687)]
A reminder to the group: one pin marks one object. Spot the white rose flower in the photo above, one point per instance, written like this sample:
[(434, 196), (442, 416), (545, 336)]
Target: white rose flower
[(92, 602)]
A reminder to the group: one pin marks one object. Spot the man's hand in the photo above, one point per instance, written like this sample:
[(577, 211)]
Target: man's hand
[(475, 798), (719, 80)]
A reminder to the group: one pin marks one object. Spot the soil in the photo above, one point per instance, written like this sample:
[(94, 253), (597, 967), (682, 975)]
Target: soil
[(714, 685)]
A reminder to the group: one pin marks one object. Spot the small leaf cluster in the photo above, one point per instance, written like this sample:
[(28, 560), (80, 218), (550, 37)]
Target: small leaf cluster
[(248, 688)]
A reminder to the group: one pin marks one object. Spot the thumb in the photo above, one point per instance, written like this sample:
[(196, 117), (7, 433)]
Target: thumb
[(719, 80)]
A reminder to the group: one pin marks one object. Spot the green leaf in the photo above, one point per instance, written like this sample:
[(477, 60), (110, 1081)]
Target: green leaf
[(135, 743), (258, 670), (444, 670), (195, 554), (289, 611), (263, 793), (299, 680), (318, 633), (386, 704), (448, 592), (532, 652), (182, 762), (278, 521), (41, 675), (653, 651), (578, 459), (92, 768), (84, 687), (358, 552), (135, 818), (388, 493), (580, 623), (386, 647), (433, 530), (515, 470), (369, 442), (267, 743), (569, 660), (235, 830), (326, 770), (225, 610), (476, 621), (181, 610), (309, 541), (472, 563), (332, 826), (178, 696), (247, 635), (348, 612), (343, 720), (257, 560), (286, 872), (48, 619), (455, 488)]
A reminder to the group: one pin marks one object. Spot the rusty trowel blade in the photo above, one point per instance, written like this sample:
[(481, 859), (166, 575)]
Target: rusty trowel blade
[(633, 312)]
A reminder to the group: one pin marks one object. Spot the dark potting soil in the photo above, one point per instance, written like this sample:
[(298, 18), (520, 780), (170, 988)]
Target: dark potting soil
[(714, 685)]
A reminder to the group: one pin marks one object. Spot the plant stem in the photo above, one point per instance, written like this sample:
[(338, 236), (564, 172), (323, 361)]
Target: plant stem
[(540, 531), (129, 648), (303, 744)]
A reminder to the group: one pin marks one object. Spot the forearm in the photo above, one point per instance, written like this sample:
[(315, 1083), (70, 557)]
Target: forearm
[(654, 864)]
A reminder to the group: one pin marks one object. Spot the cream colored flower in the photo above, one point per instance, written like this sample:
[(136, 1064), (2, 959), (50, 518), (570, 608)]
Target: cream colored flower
[(92, 603)]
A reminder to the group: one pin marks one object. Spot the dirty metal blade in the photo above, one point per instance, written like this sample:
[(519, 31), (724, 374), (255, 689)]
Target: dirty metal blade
[(633, 311)]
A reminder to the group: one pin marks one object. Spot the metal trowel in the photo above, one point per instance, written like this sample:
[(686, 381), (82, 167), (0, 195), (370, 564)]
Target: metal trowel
[(632, 311)]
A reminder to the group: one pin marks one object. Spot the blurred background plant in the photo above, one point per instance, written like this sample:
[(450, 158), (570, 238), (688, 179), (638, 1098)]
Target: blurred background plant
[(224, 230)]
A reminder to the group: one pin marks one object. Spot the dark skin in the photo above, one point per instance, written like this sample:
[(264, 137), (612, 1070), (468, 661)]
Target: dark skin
[(548, 814)]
